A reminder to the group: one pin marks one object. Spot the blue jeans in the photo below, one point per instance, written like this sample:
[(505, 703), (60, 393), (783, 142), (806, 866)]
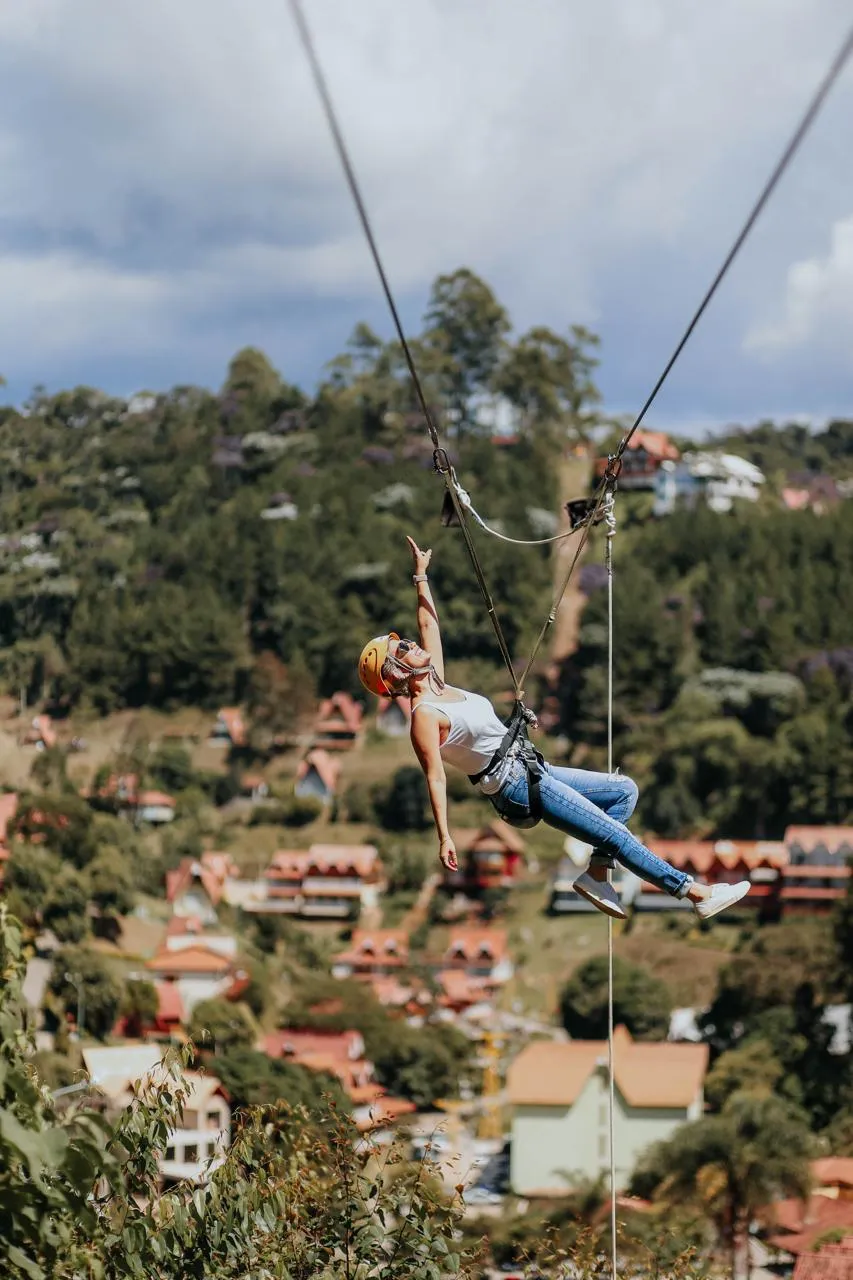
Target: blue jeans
[(593, 807)]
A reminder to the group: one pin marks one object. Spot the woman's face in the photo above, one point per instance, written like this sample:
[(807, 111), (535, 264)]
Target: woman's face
[(409, 653)]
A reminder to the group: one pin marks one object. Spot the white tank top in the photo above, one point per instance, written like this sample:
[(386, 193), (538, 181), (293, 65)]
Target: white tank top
[(475, 731)]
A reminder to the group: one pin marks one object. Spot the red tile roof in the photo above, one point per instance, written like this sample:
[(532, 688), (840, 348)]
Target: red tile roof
[(833, 1171), (796, 1225), (341, 711), (477, 943), (211, 870), (385, 946), (702, 855), (194, 959), (326, 768), (290, 1042), (658, 1075), (808, 838), (831, 1262), (655, 443), (155, 800)]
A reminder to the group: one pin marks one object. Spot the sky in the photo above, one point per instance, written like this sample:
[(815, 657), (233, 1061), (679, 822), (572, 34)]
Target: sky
[(170, 192)]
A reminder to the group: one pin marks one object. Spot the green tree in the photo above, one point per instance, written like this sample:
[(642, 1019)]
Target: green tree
[(465, 331), (81, 983), (403, 805), (110, 883), (253, 1080), (549, 379), (139, 1005), (641, 1002), (221, 1025), (280, 699), (751, 1068), (65, 908), (731, 1165)]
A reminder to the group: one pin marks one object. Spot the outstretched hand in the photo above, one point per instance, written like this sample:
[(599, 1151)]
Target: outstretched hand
[(420, 559)]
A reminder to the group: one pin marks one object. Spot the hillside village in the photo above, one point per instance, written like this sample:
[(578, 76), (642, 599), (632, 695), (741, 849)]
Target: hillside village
[(444, 955), (215, 846)]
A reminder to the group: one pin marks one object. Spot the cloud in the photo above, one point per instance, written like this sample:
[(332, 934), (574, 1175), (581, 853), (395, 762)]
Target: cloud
[(170, 190), (818, 300)]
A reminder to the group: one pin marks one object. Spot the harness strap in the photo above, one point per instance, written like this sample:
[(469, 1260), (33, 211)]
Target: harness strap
[(533, 760)]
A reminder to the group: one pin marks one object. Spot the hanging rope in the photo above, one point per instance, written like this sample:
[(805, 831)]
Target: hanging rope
[(440, 458), (610, 521), (614, 462)]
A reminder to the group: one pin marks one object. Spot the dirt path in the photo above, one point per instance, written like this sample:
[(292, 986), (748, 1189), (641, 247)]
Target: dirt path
[(419, 911), (574, 480)]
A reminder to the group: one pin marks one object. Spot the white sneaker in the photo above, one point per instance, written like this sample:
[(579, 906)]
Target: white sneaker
[(601, 894), (720, 897)]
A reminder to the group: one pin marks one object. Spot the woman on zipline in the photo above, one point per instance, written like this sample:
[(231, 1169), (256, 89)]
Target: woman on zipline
[(461, 728)]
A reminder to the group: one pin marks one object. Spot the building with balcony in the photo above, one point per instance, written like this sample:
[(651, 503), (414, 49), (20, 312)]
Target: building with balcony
[(199, 1143), (325, 882)]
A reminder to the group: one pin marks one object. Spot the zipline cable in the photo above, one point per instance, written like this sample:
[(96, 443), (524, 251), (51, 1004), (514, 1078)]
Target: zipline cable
[(614, 462), (442, 462), (819, 97)]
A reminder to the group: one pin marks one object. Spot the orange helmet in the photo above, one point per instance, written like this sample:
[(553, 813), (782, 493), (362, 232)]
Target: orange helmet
[(370, 663)]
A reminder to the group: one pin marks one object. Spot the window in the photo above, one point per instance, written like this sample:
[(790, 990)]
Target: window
[(603, 1150), (170, 1153), (602, 1115), (191, 1153), (213, 1119)]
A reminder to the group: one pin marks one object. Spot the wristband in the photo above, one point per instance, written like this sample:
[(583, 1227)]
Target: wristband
[(419, 577)]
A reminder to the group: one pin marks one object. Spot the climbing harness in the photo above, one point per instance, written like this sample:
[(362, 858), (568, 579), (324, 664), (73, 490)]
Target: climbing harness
[(457, 503), (516, 742)]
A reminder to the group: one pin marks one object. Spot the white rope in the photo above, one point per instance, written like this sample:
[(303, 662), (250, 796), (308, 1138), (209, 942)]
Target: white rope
[(610, 522), (465, 500)]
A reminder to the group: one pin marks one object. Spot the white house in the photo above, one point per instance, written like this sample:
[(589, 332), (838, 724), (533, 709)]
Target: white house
[(559, 1094), (201, 1140), (719, 479)]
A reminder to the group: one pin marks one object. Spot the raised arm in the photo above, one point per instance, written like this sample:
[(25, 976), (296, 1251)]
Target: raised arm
[(426, 742), (429, 631)]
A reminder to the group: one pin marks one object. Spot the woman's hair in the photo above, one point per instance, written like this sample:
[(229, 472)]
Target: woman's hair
[(396, 677)]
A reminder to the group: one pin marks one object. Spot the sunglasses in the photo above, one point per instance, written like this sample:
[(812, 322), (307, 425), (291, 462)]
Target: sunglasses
[(403, 646)]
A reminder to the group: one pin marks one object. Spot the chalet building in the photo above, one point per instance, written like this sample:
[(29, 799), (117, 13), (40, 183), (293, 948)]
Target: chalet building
[(197, 886), (394, 716), (817, 871), (199, 972), (479, 952), (339, 723), (646, 453), (559, 1095), (373, 953), (155, 807), (326, 882), (489, 858), (199, 1142), (317, 776), (339, 1054), (229, 729)]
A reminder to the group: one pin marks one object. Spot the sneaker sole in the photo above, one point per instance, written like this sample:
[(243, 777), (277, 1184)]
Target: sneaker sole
[(613, 909), (723, 906)]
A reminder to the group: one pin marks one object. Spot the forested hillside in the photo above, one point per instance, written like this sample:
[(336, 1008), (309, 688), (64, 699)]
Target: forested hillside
[(154, 551)]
